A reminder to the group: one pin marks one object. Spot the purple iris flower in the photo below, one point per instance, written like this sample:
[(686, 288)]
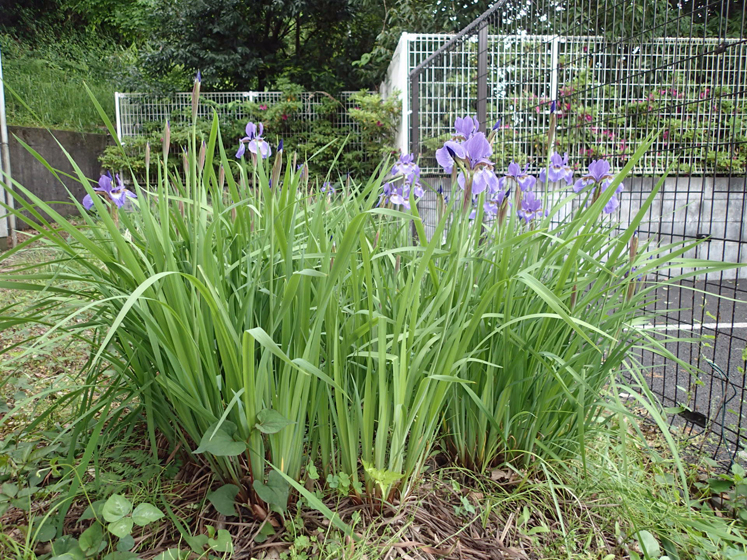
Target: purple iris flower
[(493, 202), (118, 194), (406, 166), (386, 194), (465, 128), (478, 150), (517, 175), (531, 207), (254, 141), (599, 171), (418, 190), (328, 188), (401, 196), (482, 179), (445, 155), (600, 175), (559, 170)]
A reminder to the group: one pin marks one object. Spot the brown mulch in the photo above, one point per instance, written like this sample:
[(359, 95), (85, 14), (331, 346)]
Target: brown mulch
[(428, 525)]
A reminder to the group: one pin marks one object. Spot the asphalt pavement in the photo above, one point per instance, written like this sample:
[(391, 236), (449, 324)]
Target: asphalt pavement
[(714, 398)]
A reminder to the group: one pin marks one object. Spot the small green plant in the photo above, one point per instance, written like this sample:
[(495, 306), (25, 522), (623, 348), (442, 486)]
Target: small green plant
[(730, 491), (114, 517)]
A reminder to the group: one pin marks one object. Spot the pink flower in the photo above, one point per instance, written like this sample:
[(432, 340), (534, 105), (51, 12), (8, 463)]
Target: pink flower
[(378, 123), (263, 107), (284, 117), (588, 118)]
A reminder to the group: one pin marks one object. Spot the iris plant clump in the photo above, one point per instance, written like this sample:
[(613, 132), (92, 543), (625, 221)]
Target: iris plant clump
[(549, 305), (272, 332)]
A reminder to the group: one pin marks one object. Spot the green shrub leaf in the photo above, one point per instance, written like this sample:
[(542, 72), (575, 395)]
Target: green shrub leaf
[(224, 498), (275, 492), (146, 513), (126, 543), (271, 421), (649, 544), (121, 528), (91, 539), (222, 542), (115, 508), (218, 440)]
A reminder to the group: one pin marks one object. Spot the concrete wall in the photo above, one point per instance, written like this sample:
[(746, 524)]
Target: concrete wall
[(396, 83), (29, 172), (695, 207), (686, 208)]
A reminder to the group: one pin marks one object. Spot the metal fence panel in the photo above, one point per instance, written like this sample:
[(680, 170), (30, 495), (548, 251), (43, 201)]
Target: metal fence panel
[(665, 80), (135, 110)]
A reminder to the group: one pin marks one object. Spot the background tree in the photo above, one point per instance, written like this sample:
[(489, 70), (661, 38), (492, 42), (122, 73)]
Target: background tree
[(251, 45)]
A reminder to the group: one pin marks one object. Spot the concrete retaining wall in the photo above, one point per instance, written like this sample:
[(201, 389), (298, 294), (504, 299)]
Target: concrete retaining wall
[(686, 208), (29, 172)]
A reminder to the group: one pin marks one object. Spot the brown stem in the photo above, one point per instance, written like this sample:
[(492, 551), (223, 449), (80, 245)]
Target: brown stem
[(467, 192)]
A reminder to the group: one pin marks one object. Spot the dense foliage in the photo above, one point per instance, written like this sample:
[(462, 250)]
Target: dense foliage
[(326, 135)]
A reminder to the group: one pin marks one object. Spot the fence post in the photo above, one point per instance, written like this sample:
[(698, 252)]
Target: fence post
[(118, 114), (482, 77), (415, 114), (7, 220), (554, 55)]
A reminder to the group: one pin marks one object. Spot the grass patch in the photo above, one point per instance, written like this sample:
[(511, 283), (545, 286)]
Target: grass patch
[(49, 78)]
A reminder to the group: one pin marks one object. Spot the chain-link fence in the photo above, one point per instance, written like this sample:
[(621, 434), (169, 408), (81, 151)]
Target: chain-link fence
[(618, 71)]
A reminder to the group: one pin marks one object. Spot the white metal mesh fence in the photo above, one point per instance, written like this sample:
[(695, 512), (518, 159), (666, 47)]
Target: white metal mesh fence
[(609, 93), (136, 110)]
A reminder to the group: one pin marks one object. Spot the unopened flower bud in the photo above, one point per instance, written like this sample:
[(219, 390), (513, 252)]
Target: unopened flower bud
[(203, 151), (633, 248), (196, 94), (166, 141)]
